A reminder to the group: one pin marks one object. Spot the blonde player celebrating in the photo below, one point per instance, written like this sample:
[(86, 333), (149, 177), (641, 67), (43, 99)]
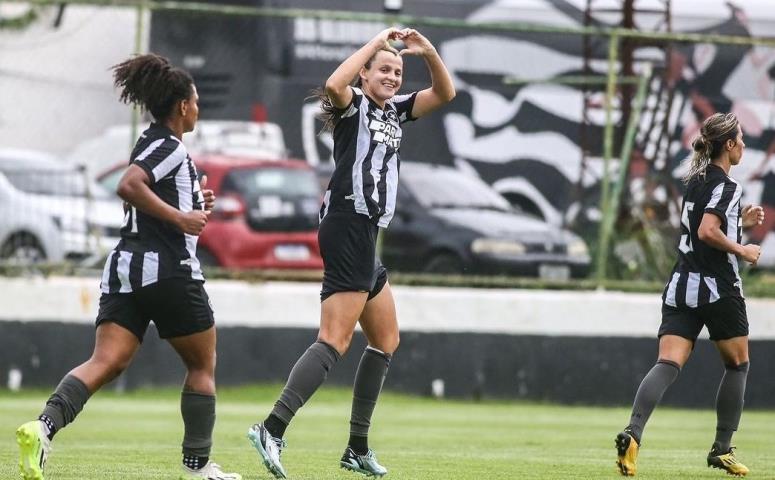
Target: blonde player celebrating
[(367, 126)]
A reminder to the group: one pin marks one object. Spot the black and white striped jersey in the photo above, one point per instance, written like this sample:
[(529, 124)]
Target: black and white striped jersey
[(704, 274), (151, 249), (367, 140)]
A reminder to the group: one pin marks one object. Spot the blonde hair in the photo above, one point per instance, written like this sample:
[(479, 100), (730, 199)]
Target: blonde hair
[(714, 133)]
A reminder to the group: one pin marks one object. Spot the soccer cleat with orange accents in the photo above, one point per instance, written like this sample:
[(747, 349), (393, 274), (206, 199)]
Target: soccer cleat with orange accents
[(627, 453), (726, 461)]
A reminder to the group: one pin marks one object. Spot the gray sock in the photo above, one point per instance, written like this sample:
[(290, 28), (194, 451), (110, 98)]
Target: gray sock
[(66, 402), (368, 384), (198, 410), (307, 375), (729, 404), (650, 392)]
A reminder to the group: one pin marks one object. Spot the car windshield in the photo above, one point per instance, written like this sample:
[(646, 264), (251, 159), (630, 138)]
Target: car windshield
[(286, 182), (55, 182), (444, 188)]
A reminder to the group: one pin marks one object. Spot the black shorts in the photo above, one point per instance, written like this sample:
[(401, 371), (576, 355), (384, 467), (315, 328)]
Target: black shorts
[(177, 306), (725, 318), (348, 245)]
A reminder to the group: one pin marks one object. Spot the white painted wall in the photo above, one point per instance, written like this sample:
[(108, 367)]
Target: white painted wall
[(420, 309)]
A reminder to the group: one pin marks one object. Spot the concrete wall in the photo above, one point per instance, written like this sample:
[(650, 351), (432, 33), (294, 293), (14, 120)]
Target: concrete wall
[(570, 347)]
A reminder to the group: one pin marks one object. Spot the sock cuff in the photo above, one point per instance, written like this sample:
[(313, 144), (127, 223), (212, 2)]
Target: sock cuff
[(190, 393), (76, 382), (743, 367), (671, 363), (334, 352), (386, 356)]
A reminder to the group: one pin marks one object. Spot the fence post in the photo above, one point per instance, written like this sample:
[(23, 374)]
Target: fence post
[(139, 49), (608, 146)]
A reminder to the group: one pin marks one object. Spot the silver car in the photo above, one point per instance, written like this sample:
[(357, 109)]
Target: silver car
[(51, 212)]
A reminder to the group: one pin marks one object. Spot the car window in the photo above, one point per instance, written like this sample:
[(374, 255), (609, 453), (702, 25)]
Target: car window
[(66, 183), (443, 188), (109, 182), (278, 181)]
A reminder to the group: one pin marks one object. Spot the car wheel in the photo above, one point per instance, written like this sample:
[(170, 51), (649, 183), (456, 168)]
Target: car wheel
[(444, 263), (22, 249), (207, 259)]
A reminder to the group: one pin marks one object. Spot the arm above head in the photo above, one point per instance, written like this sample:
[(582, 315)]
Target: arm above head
[(135, 189), (709, 232), (442, 90), (338, 84)]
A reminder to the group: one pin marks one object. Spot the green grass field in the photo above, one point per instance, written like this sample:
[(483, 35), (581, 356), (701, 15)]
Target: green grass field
[(137, 436)]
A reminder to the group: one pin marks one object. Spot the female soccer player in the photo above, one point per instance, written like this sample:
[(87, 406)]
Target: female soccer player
[(704, 290), (361, 198), (152, 274)]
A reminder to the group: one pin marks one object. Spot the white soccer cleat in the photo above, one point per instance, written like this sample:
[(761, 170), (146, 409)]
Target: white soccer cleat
[(211, 471), (269, 448)]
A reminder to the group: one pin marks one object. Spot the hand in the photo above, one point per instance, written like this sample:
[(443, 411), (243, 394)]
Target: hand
[(751, 253), (752, 215), (383, 38), (209, 195), (193, 222), (416, 43)]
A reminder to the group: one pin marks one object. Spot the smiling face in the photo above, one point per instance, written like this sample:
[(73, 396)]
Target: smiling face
[(381, 77)]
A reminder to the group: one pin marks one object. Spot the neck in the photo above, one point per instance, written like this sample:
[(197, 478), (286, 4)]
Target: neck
[(368, 93), (176, 125), (724, 163)]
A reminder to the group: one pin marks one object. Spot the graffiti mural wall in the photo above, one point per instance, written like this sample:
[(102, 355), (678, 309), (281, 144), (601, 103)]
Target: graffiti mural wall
[(538, 143)]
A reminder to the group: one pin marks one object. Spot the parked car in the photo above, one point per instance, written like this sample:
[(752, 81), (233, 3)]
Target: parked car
[(447, 221), (50, 211), (265, 216), (248, 139)]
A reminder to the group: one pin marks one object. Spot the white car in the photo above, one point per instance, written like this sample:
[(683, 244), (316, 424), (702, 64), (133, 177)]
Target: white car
[(51, 212)]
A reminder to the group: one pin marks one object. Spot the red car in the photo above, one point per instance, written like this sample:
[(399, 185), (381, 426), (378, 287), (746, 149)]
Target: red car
[(265, 216)]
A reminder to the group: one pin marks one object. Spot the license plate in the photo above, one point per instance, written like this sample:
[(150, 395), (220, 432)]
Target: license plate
[(291, 252), (554, 272)]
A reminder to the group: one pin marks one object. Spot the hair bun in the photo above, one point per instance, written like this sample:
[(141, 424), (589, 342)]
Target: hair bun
[(700, 144)]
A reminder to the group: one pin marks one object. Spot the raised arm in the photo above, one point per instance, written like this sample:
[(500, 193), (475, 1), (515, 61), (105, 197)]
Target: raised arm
[(441, 90), (338, 84)]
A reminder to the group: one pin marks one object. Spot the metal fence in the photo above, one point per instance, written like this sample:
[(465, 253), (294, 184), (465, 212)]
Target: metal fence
[(580, 122)]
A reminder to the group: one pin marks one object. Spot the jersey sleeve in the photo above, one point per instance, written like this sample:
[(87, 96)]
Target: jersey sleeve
[(723, 195), (352, 108), (160, 158), (404, 105)]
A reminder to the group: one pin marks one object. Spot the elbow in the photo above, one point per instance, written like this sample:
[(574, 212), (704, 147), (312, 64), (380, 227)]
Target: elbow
[(333, 88), (451, 94), (704, 234), (125, 190)]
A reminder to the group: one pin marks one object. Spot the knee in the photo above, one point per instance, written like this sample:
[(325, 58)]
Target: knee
[(741, 367), (340, 343), (110, 367), (391, 344)]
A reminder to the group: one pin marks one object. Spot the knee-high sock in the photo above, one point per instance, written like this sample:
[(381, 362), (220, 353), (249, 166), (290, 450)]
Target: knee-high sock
[(307, 375), (369, 378), (729, 404), (650, 392), (65, 404), (198, 410)]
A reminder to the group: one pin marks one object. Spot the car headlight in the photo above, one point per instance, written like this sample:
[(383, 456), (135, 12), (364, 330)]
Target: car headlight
[(494, 246), (578, 248)]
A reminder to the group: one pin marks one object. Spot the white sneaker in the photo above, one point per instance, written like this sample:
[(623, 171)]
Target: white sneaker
[(211, 471), (34, 447), (269, 448), (365, 464)]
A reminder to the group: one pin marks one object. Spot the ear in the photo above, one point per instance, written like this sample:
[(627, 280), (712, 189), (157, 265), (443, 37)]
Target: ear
[(183, 108)]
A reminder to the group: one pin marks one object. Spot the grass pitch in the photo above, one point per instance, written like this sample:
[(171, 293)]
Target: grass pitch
[(137, 436)]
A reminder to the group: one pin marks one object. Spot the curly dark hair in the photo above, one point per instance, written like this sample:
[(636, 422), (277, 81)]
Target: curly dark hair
[(151, 82)]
